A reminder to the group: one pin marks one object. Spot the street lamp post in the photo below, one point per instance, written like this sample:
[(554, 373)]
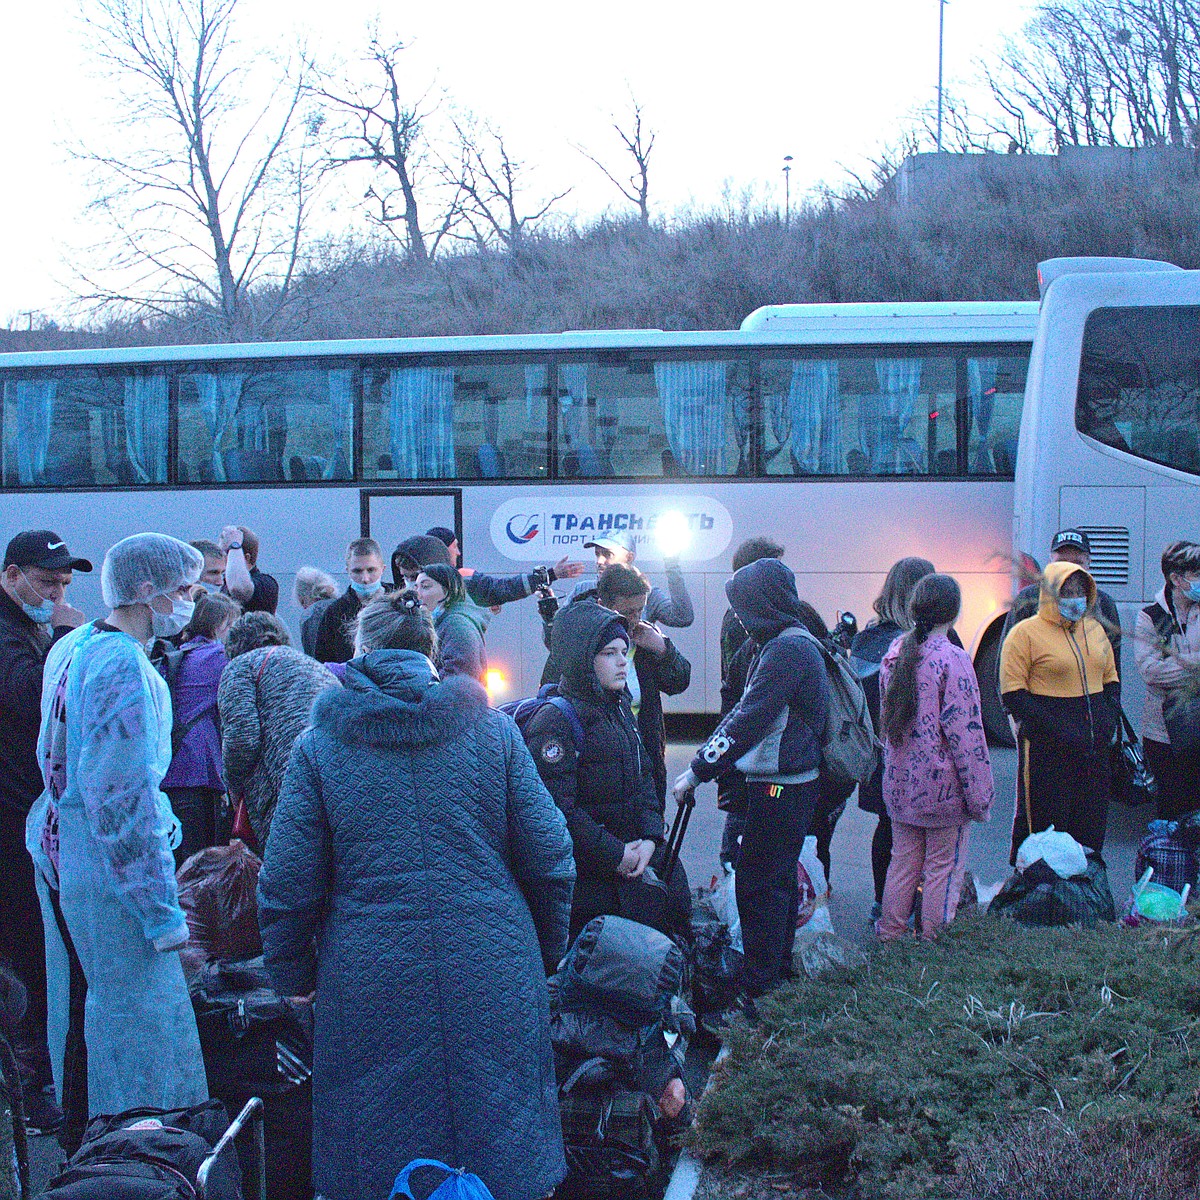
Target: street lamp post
[(941, 59), (787, 190)]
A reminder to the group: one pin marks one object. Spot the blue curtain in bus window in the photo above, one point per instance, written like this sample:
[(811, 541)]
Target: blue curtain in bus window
[(341, 415), (815, 408), (145, 410), (32, 404), (981, 392), (692, 395), (422, 422), (535, 389), (572, 405), (884, 417), (219, 396)]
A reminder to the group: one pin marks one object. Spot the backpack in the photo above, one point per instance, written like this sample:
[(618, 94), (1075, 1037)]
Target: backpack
[(150, 1164), (1181, 704), (523, 711), (608, 1137), (849, 749), (168, 661)]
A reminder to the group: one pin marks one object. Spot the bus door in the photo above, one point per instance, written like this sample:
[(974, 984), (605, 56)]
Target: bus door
[(390, 515)]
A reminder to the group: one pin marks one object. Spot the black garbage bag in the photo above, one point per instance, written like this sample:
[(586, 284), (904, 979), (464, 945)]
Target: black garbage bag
[(1039, 896), (716, 966)]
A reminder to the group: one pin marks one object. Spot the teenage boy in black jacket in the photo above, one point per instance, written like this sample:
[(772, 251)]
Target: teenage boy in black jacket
[(773, 736), (604, 783)]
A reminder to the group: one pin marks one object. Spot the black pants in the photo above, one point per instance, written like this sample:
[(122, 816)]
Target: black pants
[(1178, 778), (1061, 786), (881, 854), (197, 809), (23, 947), (777, 820)]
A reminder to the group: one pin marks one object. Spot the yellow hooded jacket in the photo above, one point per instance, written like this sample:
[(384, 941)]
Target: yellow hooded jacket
[(1054, 673)]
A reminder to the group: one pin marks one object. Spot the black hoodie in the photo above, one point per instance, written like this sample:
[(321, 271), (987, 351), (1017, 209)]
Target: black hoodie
[(787, 673), (606, 791)]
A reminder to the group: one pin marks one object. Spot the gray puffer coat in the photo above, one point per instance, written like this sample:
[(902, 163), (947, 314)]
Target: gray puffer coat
[(264, 700), (419, 878)]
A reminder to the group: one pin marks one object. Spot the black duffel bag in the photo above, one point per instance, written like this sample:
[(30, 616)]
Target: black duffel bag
[(116, 1162)]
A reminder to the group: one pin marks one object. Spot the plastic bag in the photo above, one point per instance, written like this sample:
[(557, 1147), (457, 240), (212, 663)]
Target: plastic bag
[(813, 915), (218, 894), (724, 900), (1059, 851), (1038, 896), (454, 1185)]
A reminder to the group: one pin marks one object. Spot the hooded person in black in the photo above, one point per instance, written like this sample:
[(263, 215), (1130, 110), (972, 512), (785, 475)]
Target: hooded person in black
[(604, 785), (774, 737)]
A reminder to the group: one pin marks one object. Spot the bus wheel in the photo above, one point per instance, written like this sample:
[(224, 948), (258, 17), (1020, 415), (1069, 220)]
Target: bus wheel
[(987, 671)]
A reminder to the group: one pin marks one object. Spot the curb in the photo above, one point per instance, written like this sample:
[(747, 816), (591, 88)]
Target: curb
[(685, 1178)]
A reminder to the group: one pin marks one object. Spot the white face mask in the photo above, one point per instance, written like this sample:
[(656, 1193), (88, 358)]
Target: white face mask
[(167, 625)]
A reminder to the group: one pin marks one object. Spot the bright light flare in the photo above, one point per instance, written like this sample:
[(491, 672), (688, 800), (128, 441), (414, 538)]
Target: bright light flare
[(495, 683), (672, 533)]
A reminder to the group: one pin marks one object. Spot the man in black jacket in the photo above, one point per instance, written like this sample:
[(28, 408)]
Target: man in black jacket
[(364, 565), (598, 772), (33, 613)]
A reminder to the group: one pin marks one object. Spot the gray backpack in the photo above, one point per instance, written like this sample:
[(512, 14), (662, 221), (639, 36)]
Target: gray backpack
[(849, 748)]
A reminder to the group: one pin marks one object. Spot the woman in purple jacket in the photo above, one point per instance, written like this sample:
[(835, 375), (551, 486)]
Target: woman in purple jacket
[(937, 776), (193, 783)]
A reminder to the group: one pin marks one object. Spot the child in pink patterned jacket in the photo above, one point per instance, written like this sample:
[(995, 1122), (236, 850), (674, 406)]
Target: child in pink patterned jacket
[(937, 776)]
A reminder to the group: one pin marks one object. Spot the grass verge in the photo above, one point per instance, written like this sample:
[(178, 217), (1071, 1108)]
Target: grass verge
[(993, 1059)]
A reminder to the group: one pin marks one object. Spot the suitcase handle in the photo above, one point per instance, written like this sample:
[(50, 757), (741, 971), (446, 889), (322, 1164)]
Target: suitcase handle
[(252, 1112), (683, 814)]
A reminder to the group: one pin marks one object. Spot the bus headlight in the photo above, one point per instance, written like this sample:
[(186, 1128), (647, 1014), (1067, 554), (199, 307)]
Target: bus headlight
[(672, 533)]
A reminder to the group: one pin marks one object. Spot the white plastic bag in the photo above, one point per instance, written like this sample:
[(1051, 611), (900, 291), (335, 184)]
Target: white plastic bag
[(813, 915), (725, 902), (1060, 852)]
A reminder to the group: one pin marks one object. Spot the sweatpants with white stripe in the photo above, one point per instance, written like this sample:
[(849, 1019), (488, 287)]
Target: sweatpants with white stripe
[(937, 856)]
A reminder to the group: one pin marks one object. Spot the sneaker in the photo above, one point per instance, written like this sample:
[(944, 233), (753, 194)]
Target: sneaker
[(42, 1115), (876, 914)]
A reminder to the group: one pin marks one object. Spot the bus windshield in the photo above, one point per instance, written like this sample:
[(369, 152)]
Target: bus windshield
[(1139, 383)]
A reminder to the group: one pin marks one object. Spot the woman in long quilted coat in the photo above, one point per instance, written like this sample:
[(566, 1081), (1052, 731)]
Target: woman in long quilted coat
[(419, 879)]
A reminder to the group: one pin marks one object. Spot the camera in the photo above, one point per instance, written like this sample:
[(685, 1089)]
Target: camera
[(547, 603), (542, 577)]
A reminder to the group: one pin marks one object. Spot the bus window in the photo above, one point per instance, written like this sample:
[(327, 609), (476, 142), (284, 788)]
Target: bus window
[(257, 422), (85, 428), (1139, 383), (995, 394), (466, 421), (629, 416), (855, 415)]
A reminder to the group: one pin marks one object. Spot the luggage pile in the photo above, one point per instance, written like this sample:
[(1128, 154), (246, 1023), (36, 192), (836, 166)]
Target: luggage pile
[(255, 1042), (619, 1025)]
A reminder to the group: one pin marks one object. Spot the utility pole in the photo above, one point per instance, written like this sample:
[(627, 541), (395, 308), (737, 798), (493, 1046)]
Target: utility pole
[(787, 190), (941, 60)]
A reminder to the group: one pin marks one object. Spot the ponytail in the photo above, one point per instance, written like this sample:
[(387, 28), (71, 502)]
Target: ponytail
[(936, 601)]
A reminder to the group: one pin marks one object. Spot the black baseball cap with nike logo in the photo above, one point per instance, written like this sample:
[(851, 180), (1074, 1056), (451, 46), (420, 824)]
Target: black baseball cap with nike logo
[(42, 548)]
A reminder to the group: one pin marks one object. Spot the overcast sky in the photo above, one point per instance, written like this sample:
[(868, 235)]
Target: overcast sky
[(729, 90)]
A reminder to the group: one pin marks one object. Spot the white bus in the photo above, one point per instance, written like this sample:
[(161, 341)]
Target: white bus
[(1110, 434), (854, 434)]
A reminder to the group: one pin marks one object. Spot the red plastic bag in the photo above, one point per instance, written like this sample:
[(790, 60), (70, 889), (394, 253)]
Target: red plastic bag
[(218, 893)]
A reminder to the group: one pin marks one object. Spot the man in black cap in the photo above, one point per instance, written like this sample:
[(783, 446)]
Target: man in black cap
[(33, 614), (1073, 546)]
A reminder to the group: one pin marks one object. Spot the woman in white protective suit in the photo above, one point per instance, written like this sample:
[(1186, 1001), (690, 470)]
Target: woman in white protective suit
[(120, 1025)]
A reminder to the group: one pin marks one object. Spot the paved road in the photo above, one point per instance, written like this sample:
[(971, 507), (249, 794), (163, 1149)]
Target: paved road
[(853, 890)]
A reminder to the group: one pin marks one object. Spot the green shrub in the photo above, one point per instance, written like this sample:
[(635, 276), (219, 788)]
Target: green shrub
[(885, 1076)]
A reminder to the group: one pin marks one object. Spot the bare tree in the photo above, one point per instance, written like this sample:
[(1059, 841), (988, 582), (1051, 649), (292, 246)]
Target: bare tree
[(487, 178), (378, 126), (638, 141), (209, 203), (1105, 73)]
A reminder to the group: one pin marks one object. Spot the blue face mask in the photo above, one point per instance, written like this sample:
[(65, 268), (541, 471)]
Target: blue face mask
[(1073, 609), (39, 613), (365, 590), (1193, 592)]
